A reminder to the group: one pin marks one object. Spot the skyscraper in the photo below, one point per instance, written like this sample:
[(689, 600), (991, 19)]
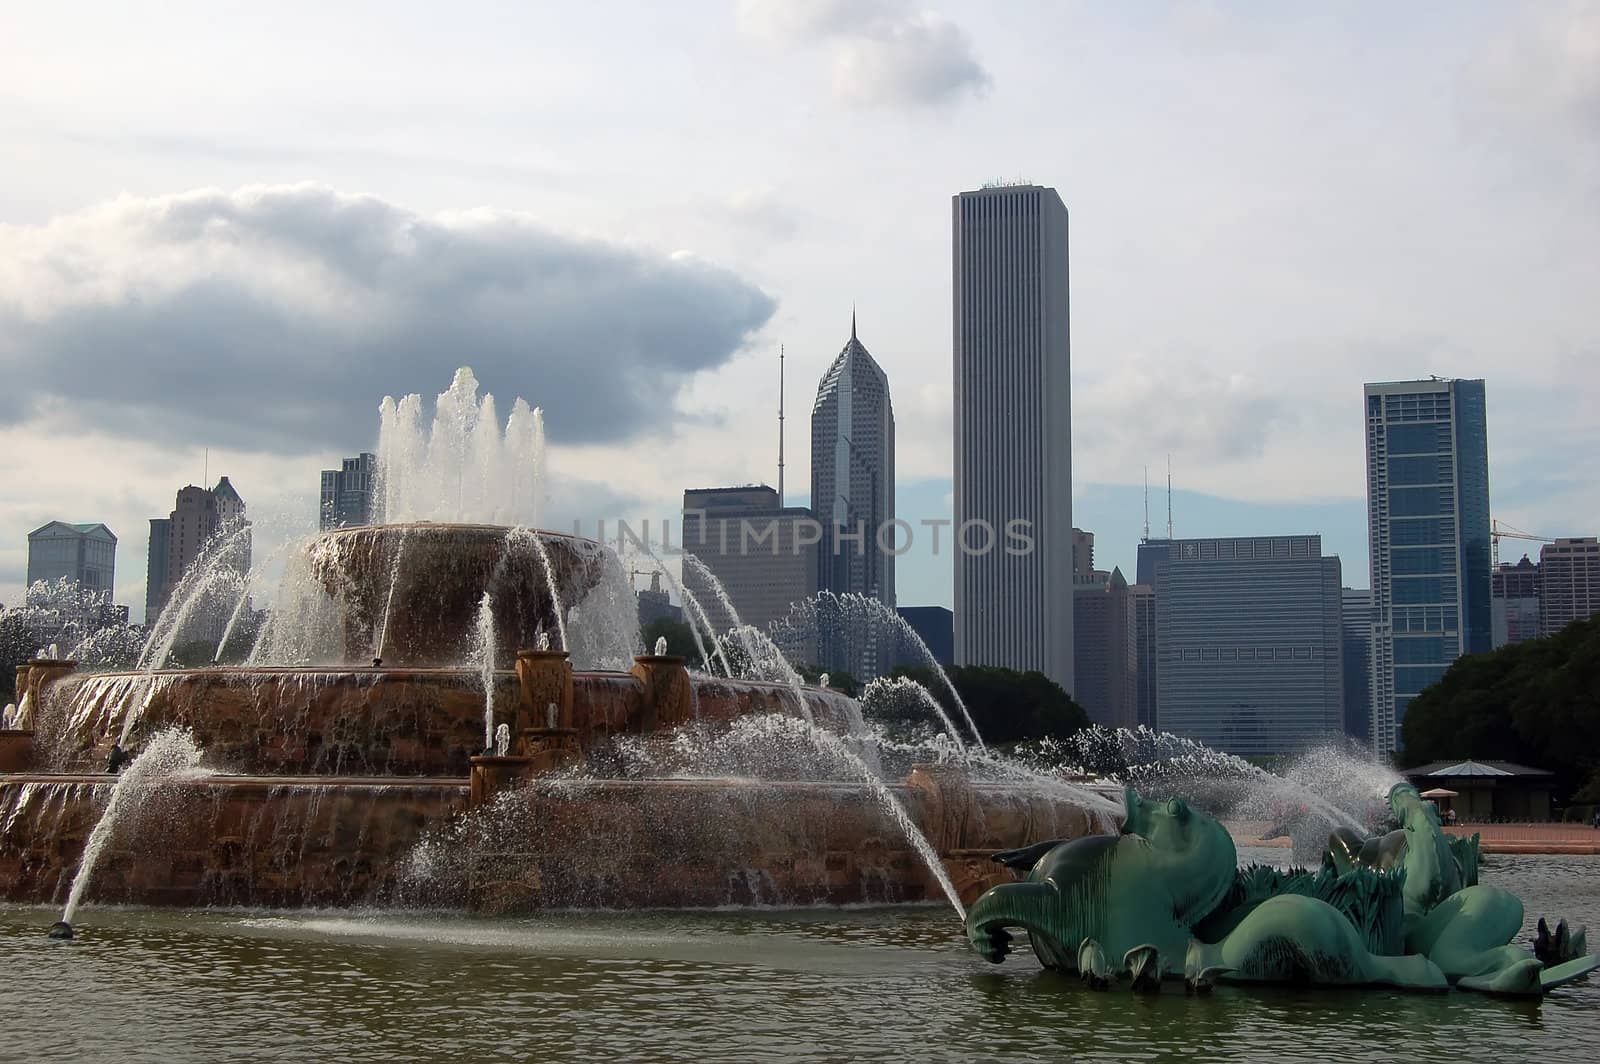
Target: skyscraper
[(764, 555), (178, 540), (1569, 582), (1106, 665), (1514, 602), (84, 554), (1428, 535), (347, 492), (1249, 651), (852, 491), (1356, 644), (1013, 431)]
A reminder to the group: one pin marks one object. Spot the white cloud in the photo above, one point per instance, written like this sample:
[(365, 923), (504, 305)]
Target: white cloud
[(1547, 69), (272, 318), (882, 53)]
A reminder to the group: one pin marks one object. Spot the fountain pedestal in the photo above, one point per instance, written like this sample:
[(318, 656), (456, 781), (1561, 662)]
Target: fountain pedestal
[(668, 693), (539, 751), (31, 676), (546, 680)]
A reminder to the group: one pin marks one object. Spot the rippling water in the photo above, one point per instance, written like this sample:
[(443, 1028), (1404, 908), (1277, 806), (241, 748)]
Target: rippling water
[(888, 984)]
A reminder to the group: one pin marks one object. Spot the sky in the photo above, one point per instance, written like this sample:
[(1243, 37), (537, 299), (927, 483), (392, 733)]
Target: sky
[(227, 230)]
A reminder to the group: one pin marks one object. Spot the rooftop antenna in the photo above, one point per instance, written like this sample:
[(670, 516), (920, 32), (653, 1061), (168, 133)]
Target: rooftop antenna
[(1169, 495), (205, 470), (780, 426), (1146, 538)]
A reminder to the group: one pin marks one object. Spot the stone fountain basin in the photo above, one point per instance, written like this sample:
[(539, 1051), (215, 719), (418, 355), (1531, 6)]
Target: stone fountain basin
[(364, 721), (411, 592), (293, 841)]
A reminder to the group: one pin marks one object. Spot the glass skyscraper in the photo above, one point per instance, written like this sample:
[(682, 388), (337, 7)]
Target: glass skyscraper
[(1428, 531)]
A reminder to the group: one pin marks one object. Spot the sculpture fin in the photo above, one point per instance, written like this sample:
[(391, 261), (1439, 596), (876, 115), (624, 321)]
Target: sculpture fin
[(1025, 858), (1521, 979), (1567, 972)]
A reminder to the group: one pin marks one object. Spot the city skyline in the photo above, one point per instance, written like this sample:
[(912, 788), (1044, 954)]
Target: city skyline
[(1204, 326)]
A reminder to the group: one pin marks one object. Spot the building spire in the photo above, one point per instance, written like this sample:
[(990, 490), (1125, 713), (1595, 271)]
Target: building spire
[(780, 426), (852, 321)]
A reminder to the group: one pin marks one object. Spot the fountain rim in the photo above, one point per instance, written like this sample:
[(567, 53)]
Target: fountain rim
[(455, 526), (419, 671)]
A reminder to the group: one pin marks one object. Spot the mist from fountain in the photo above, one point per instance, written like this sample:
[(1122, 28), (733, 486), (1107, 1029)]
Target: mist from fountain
[(169, 756), (1227, 785), (858, 619)]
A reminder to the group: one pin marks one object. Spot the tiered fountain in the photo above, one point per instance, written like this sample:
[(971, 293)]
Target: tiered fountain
[(353, 757)]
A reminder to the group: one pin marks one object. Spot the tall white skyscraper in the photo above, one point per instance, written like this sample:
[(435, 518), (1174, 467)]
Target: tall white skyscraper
[(1013, 431)]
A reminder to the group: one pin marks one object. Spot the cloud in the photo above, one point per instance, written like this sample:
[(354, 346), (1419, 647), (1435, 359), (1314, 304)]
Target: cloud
[(1141, 409), (274, 318), (1547, 69), (883, 55)]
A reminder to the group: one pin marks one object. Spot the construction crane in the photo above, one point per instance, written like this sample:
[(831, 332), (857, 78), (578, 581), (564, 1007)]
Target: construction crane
[(1498, 529)]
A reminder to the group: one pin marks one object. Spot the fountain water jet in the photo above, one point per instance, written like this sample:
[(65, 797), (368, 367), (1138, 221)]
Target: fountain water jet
[(168, 756)]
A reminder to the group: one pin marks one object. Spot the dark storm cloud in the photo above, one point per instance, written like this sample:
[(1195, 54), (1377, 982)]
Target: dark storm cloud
[(277, 317)]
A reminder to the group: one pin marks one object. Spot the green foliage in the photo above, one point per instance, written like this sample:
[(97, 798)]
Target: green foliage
[(17, 645), (1536, 703), (680, 640), (1008, 706), (839, 681)]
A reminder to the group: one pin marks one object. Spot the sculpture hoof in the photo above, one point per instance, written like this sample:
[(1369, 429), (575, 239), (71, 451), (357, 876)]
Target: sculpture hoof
[(1143, 964), (1092, 965)]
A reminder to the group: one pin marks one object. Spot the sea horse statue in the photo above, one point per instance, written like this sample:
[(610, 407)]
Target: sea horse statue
[(1165, 899)]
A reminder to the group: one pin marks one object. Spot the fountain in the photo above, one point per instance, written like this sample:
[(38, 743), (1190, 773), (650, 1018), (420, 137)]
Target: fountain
[(450, 707)]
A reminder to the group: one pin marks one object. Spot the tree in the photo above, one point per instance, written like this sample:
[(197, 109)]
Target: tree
[(680, 640), (17, 645), (1536, 703), (1007, 706), (840, 681)]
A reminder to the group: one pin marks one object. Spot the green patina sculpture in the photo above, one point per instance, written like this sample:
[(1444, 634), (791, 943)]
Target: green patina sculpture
[(1166, 899)]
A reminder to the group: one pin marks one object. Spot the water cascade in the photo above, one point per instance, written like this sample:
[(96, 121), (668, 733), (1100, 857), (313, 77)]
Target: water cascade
[(170, 755)]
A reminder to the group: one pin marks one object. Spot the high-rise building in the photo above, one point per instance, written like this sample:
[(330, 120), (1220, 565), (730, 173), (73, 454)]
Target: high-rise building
[(198, 517), (1514, 602), (935, 626), (1105, 633), (1249, 657), (157, 585), (656, 605), (1428, 537), (347, 493), (852, 492), (1356, 649), (1083, 570), (85, 554), (1013, 431), (1146, 657), (1569, 582), (764, 555)]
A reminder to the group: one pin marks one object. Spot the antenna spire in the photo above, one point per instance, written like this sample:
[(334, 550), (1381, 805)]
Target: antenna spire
[(1146, 538), (1169, 496), (780, 426), (852, 320)]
